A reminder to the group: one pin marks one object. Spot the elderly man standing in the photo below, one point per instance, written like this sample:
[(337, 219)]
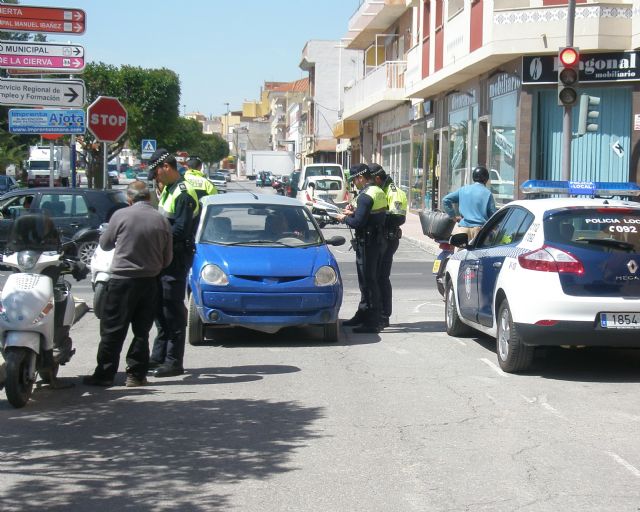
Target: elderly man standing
[(141, 238)]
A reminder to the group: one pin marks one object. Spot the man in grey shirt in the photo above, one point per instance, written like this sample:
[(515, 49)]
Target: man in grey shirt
[(142, 242)]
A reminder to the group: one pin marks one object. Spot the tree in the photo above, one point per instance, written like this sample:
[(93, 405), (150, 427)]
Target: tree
[(151, 97), (213, 148)]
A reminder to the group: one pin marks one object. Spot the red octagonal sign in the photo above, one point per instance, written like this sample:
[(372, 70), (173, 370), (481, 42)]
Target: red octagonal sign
[(107, 119)]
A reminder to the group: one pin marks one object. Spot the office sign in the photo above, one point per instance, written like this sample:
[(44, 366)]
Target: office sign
[(593, 68), (67, 58), (42, 93), (44, 121), (56, 20)]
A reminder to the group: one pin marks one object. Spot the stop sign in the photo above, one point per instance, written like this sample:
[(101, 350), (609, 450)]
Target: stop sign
[(107, 119)]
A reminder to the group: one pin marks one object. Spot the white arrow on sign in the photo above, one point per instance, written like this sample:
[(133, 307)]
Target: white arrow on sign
[(42, 93), (41, 49)]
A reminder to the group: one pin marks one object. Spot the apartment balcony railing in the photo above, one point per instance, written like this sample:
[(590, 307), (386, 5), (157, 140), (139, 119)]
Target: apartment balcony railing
[(380, 90)]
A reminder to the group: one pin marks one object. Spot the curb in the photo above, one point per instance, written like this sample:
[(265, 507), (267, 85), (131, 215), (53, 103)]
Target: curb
[(81, 309), (425, 245)]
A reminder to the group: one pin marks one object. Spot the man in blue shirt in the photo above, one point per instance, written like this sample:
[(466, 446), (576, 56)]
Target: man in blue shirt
[(475, 204)]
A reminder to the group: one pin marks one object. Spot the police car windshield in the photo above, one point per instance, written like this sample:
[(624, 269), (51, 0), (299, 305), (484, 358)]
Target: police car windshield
[(601, 229)]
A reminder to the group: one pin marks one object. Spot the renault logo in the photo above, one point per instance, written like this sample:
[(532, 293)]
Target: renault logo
[(632, 266)]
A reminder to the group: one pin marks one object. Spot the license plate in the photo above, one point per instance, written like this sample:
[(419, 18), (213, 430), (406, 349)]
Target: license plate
[(436, 266), (620, 320)]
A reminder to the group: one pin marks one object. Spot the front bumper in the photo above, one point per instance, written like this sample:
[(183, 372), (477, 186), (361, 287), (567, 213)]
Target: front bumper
[(578, 333)]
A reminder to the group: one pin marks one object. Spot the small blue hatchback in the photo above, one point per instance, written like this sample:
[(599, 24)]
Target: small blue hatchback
[(261, 262)]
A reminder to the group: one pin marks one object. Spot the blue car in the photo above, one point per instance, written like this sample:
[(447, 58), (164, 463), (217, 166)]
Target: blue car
[(261, 262)]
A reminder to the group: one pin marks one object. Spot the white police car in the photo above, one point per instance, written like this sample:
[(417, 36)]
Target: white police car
[(556, 271)]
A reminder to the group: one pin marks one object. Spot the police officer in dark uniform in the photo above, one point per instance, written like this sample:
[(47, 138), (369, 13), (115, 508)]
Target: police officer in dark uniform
[(368, 221), (395, 217), (179, 204)]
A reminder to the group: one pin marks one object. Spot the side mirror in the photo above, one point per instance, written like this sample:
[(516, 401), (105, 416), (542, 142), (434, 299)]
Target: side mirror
[(459, 240), (336, 240)]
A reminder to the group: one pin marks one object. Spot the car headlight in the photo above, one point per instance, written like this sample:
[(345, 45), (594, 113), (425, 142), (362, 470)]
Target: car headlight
[(27, 259), (325, 276), (213, 274)]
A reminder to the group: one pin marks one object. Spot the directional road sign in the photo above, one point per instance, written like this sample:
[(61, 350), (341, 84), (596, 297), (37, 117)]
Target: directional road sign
[(42, 93), (63, 121), (107, 119), (42, 19), (68, 58), (148, 148)]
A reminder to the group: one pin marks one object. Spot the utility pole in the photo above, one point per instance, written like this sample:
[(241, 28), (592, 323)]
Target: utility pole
[(566, 118)]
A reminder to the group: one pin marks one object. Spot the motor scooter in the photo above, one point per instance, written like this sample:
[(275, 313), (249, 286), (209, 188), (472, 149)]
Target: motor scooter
[(100, 275), (324, 212), (440, 263), (37, 308)]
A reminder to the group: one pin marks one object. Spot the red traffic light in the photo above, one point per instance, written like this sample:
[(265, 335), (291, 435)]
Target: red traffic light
[(569, 57)]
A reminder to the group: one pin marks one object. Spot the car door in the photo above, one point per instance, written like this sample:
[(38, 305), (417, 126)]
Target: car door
[(68, 210), (469, 271), (510, 232), (10, 208)]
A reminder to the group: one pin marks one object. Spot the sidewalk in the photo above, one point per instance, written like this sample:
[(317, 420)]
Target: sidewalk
[(412, 233)]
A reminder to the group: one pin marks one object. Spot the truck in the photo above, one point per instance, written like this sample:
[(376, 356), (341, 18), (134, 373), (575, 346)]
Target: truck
[(39, 165), (279, 163)]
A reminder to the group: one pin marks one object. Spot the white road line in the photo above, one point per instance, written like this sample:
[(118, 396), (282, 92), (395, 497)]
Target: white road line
[(460, 342), (632, 469), (419, 306), (493, 366)]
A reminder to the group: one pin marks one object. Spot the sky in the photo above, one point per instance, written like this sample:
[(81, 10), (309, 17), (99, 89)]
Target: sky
[(222, 50)]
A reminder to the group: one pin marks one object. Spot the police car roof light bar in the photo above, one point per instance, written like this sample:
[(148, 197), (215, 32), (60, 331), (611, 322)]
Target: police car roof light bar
[(581, 188)]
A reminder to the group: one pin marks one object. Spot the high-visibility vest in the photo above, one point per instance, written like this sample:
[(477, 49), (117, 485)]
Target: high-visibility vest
[(378, 196), (396, 199), (167, 201), (200, 183)]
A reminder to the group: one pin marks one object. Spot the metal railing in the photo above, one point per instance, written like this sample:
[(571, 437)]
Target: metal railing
[(386, 77)]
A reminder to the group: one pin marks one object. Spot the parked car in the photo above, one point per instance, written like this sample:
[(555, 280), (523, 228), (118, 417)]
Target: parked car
[(71, 209), (325, 171), (558, 271), (331, 189), (220, 181), (261, 262), (7, 183), (114, 177)]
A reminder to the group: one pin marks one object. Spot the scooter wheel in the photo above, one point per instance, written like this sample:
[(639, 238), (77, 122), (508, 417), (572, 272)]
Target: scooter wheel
[(19, 384)]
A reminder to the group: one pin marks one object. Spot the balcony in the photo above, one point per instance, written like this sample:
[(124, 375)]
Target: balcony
[(371, 17), (380, 90)]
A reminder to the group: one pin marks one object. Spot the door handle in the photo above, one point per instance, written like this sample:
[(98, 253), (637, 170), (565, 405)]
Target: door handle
[(497, 264)]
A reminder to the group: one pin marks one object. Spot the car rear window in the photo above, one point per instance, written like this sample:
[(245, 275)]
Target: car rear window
[(603, 229), (323, 170)]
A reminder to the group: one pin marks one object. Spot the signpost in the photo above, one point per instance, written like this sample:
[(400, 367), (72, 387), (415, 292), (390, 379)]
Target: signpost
[(27, 18), (108, 123), (42, 93), (148, 148), (67, 58), (42, 121)]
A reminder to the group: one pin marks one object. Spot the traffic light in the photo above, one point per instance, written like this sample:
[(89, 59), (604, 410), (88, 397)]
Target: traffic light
[(588, 118), (568, 61)]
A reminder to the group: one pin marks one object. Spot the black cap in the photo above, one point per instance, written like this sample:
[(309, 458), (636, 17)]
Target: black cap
[(194, 161), (359, 170), (377, 170), (158, 157)]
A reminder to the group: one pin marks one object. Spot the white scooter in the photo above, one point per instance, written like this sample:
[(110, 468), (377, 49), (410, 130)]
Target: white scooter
[(100, 275), (36, 307)]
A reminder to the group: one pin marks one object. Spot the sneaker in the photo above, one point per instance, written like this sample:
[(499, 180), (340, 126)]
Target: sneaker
[(134, 382), (167, 371), (92, 380)]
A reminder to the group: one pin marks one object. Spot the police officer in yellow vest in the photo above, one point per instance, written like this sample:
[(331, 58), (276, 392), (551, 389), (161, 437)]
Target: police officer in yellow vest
[(179, 204), (198, 180), (395, 217), (368, 221)]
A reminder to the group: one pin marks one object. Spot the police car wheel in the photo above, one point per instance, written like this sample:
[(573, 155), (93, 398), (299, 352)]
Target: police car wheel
[(195, 329), (513, 354), (455, 327)]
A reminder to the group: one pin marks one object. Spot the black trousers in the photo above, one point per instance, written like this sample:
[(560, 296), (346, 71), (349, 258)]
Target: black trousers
[(171, 322), (130, 301), (367, 265), (386, 261)]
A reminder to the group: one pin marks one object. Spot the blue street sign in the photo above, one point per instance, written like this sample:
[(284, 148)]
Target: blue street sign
[(148, 147), (44, 121)]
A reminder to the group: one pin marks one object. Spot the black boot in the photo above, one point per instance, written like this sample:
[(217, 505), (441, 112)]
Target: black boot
[(356, 319), (367, 329)]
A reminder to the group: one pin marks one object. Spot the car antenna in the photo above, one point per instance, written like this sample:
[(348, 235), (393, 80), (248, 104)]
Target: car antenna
[(255, 196)]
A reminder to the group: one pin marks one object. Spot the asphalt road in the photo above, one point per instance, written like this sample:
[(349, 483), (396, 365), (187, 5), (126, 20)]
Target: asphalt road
[(408, 420)]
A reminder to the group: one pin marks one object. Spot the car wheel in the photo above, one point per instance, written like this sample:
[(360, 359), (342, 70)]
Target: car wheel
[(86, 250), (455, 327), (331, 332), (513, 354), (194, 324)]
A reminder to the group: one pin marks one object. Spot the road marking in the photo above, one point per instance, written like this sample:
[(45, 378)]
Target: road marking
[(493, 366), (632, 469), (460, 342), (417, 308)]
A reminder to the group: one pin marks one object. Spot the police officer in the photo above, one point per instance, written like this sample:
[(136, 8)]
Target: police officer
[(395, 217), (368, 221), (179, 204), (198, 180)]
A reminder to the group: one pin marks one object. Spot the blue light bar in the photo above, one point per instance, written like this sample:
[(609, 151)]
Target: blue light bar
[(581, 188)]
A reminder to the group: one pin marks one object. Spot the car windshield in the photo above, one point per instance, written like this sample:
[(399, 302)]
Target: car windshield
[(324, 170), (33, 232), (260, 225), (602, 229)]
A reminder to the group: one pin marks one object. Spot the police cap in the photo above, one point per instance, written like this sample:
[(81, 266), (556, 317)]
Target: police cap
[(377, 170), (359, 170), (159, 156)]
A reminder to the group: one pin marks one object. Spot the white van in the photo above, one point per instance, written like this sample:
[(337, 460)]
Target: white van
[(326, 170)]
